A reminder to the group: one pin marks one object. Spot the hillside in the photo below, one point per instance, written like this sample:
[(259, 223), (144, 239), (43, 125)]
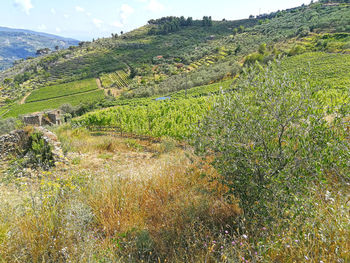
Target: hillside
[(183, 141), (18, 44), (150, 61)]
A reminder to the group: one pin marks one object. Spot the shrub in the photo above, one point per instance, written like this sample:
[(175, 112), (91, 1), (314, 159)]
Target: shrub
[(8, 125), (270, 141)]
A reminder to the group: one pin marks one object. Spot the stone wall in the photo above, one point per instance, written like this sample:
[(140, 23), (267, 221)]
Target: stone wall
[(17, 141), (13, 143)]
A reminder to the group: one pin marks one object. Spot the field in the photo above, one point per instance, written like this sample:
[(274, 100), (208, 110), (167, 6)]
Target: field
[(74, 100), (62, 90), (52, 97), (118, 79), (196, 92), (177, 119), (328, 71)]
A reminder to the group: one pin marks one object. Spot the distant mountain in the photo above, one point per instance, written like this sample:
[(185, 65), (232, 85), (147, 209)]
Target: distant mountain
[(20, 43)]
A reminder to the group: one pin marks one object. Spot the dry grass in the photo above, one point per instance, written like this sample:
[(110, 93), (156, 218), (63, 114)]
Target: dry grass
[(132, 201)]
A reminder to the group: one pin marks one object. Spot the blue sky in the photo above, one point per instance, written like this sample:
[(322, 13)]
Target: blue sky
[(87, 19)]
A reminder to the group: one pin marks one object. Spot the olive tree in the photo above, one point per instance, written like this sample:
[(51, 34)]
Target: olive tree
[(270, 141)]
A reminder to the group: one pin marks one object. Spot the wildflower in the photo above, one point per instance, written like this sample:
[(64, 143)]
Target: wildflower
[(245, 236), (226, 232), (296, 241), (241, 244), (233, 242), (264, 228), (222, 247), (243, 258), (306, 257), (214, 241)]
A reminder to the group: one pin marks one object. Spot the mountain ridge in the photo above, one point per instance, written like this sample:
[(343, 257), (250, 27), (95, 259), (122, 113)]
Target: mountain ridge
[(16, 44)]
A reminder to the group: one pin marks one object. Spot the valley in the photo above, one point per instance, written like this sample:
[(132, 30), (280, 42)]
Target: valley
[(184, 140)]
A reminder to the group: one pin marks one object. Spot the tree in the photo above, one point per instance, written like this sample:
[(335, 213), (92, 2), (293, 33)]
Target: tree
[(207, 21), (43, 51), (57, 48), (189, 21), (270, 140), (262, 49)]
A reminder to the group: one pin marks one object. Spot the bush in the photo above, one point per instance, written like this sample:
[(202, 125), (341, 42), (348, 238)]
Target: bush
[(270, 140), (8, 125)]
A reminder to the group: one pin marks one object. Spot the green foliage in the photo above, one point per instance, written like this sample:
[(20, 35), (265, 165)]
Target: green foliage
[(84, 98), (328, 72), (270, 140), (118, 79), (62, 90), (40, 152), (177, 119), (8, 125), (36, 155)]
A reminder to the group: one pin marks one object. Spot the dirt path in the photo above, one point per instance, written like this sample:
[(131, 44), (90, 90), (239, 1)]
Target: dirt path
[(99, 83), (100, 86), (23, 100)]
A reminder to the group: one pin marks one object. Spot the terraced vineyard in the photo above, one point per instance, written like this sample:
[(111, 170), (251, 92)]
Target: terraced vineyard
[(196, 92), (74, 100), (177, 119), (119, 79), (62, 90), (178, 115), (51, 97), (209, 60), (328, 71)]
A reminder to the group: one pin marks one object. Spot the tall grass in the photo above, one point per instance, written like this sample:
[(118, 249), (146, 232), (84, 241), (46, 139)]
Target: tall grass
[(173, 214)]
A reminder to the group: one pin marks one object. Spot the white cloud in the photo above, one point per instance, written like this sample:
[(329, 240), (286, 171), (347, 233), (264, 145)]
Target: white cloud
[(126, 11), (25, 5), (117, 24), (58, 30), (79, 9), (53, 11), (97, 22), (66, 16), (42, 27), (155, 6)]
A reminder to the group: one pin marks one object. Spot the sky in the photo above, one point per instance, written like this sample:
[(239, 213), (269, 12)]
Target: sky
[(88, 19)]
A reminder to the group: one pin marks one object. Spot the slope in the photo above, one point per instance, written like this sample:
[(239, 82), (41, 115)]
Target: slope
[(20, 44)]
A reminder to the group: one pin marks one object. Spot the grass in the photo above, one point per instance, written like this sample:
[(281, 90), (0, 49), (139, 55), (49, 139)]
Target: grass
[(74, 100), (62, 90), (121, 204)]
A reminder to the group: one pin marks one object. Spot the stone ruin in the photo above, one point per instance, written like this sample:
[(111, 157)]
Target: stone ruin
[(49, 118)]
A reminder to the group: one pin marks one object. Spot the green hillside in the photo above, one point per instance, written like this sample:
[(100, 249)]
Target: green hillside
[(184, 141), (184, 56)]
